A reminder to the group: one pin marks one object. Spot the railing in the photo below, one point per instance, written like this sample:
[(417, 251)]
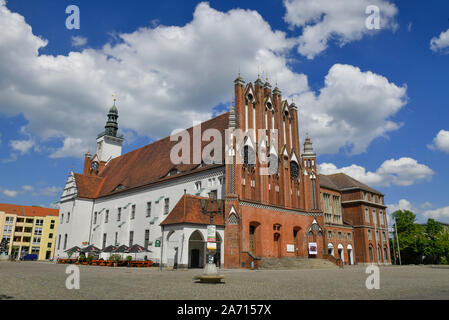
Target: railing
[(254, 259), (334, 260)]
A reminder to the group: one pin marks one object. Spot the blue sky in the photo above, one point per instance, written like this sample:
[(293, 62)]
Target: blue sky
[(381, 116)]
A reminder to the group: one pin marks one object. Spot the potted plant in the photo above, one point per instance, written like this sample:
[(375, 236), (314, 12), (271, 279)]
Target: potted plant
[(89, 259), (129, 259), (115, 258), (82, 259)]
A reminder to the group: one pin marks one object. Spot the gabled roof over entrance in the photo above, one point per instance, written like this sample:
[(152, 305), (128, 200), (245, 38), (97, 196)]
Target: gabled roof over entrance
[(188, 210)]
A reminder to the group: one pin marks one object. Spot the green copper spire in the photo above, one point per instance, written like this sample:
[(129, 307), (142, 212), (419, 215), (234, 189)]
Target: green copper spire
[(112, 124)]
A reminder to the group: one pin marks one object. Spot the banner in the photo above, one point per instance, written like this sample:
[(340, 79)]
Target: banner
[(313, 248), (211, 237)]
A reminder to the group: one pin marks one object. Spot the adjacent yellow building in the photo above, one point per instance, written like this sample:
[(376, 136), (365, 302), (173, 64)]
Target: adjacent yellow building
[(29, 229)]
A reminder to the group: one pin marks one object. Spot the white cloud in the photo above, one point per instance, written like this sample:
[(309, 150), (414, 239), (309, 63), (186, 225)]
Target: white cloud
[(441, 43), (403, 204), (155, 71), (50, 191), (79, 41), (401, 172), (10, 193), (342, 21), (351, 110), (440, 214), (440, 142), (28, 188), (22, 146)]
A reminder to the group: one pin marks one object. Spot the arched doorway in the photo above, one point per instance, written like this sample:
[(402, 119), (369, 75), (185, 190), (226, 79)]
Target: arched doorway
[(254, 241), (350, 255), (330, 249), (298, 241), (196, 250), (341, 253)]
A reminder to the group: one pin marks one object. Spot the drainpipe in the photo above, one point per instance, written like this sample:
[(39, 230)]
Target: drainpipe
[(162, 247), (91, 217)]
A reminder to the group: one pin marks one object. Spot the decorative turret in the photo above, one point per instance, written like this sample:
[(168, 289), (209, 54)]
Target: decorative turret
[(109, 144), (308, 148), (239, 80), (111, 127), (232, 118)]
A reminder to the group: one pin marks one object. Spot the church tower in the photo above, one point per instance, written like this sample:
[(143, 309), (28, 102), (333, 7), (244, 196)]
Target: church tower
[(109, 144)]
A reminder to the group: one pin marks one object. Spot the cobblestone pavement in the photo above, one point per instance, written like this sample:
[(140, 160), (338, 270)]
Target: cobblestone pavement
[(42, 280)]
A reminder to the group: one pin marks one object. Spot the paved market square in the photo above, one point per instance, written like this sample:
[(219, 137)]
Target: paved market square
[(47, 281)]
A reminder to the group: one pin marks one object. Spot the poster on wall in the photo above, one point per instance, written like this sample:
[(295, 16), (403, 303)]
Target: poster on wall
[(290, 248), (313, 248)]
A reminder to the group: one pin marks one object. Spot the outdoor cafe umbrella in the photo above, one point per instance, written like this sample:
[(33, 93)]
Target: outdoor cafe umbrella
[(122, 249), (137, 249), (90, 248), (110, 249), (74, 249)]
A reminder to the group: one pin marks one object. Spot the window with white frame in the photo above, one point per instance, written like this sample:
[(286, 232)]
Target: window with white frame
[(39, 222), (7, 229), (106, 217), (9, 220), (369, 234), (367, 215), (381, 217), (68, 217), (38, 231), (374, 216), (198, 185)]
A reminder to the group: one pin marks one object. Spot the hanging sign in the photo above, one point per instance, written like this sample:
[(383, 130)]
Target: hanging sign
[(313, 248), (211, 237), (211, 231), (157, 243)]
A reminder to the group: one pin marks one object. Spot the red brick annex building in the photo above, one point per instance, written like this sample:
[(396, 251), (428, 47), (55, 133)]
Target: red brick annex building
[(277, 205)]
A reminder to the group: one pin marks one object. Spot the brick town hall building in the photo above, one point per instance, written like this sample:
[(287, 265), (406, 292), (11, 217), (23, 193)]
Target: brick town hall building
[(289, 210)]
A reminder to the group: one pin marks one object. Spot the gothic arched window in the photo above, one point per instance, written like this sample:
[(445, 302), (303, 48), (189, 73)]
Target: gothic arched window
[(294, 170)]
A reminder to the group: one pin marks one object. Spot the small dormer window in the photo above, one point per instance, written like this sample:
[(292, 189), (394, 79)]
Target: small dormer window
[(250, 97)]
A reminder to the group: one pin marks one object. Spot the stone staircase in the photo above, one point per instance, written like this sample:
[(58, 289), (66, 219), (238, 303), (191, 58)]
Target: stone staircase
[(296, 263)]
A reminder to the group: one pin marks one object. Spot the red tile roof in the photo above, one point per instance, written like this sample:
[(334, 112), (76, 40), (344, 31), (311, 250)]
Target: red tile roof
[(146, 166), (29, 211), (188, 210)]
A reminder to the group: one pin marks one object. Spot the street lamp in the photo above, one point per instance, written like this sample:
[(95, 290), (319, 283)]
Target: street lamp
[(209, 208)]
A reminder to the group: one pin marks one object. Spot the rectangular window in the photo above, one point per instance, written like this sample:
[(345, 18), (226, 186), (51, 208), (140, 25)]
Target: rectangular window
[(37, 240), (374, 216), (9, 220), (149, 209), (133, 211), (339, 236), (38, 231), (366, 215), (68, 217), (95, 217), (65, 241), (131, 238), (329, 234), (369, 234), (104, 240), (62, 218), (384, 236), (7, 229), (50, 236), (49, 245), (39, 222), (349, 236), (166, 205), (59, 242), (381, 217), (115, 241), (147, 239), (106, 218), (119, 214), (52, 225)]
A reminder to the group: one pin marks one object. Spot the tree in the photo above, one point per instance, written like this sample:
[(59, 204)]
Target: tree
[(412, 240), (434, 249)]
